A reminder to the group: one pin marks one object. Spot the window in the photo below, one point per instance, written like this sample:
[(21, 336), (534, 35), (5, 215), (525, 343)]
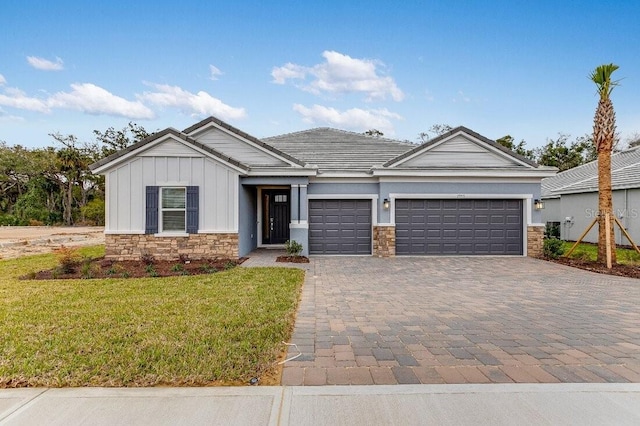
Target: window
[(173, 209)]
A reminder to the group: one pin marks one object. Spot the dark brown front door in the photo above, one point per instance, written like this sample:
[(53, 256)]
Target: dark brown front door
[(276, 216)]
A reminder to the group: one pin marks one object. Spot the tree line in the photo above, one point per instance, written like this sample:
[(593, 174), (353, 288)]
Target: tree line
[(53, 185)]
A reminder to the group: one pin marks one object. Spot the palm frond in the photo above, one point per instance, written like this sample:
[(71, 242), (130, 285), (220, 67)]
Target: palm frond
[(601, 76)]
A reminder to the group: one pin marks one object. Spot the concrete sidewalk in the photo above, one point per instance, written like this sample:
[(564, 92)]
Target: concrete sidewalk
[(495, 404)]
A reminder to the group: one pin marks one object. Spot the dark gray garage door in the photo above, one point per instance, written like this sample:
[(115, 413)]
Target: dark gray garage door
[(340, 226), (465, 227)]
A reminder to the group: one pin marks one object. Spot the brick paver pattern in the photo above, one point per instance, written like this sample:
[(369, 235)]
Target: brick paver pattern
[(366, 320)]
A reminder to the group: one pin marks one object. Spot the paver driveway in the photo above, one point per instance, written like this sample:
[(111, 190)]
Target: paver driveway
[(366, 320)]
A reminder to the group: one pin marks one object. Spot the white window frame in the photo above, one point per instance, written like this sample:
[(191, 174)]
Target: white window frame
[(162, 209)]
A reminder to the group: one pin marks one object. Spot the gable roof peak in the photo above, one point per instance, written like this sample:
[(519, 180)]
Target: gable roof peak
[(461, 129)]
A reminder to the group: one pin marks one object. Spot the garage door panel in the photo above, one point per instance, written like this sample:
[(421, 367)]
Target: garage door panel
[(340, 226), (455, 226)]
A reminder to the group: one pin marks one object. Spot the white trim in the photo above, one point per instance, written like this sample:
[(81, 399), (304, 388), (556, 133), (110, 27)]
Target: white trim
[(299, 225), (170, 235), (217, 231), (343, 196), (537, 224), (460, 196), (467, 172), (461, 179), (124, 232), (280, 171), (387, 224)]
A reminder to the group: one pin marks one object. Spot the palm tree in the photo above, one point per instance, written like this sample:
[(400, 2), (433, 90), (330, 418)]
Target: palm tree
[(604, 128)]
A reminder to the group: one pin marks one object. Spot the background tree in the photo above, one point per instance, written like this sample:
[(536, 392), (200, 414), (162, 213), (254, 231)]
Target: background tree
[(374, 132), (604, 133), (520, 148), (435, 130), (563, 154)]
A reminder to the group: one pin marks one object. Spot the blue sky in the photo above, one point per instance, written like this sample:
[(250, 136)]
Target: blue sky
[(273, 67)]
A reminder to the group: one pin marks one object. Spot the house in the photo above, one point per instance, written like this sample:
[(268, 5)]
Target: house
[(571, 198), (213, 190)]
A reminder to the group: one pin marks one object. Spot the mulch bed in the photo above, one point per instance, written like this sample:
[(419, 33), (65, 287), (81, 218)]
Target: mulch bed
[(293, 259), (617, 269), (103, 268)]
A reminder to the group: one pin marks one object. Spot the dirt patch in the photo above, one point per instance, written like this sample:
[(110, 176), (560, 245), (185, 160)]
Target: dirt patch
[(104, 268), (617, 269), (292, 259), (18, 241)]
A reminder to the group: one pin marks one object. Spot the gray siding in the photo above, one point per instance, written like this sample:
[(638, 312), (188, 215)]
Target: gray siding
[(582, 208), (218, 191), (247, 232), (459, 152), (235, 148), (552, 211), (448, 188)]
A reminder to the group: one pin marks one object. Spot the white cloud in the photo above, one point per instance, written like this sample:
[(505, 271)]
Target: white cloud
[(92, 99), (45, 64), (215, 72), (16, 98), (200, 103), (3, 80), (341, 74), (353, 119), (85, 97)]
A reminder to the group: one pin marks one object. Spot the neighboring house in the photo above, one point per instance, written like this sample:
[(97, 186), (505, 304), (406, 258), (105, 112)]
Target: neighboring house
[(571, 198), (213, 190)]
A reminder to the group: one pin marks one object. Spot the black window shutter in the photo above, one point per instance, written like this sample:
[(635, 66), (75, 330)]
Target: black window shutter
[(151, 217), (193, 203)]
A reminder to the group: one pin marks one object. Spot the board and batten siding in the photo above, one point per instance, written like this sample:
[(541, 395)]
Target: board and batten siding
[(458, 152), (218, 191), (236, 148)]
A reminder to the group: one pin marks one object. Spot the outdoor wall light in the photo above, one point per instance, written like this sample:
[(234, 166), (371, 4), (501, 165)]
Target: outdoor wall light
[(386, 204), (538, 204)]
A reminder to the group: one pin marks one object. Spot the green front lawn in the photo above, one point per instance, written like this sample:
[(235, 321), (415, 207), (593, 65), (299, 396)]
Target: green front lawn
[(222, 328), (586, 251)]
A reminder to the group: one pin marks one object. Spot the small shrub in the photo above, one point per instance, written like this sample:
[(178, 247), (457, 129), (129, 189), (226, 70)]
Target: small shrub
[(86, 270), (229, 265), (151, 270), (147, 258), (68, 259), (112, 271), (553, 248), (208, 269), (293, 248), (177, 267)]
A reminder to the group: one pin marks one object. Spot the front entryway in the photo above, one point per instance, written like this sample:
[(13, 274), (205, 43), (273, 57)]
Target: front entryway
[(276, 214)]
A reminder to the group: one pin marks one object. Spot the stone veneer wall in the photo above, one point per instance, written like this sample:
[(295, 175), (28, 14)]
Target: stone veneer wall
[(384, 241), (535, 237), (194, 246)]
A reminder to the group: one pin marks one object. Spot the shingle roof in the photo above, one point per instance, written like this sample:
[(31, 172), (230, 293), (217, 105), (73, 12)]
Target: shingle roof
[(339, 149), (625, 173)]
